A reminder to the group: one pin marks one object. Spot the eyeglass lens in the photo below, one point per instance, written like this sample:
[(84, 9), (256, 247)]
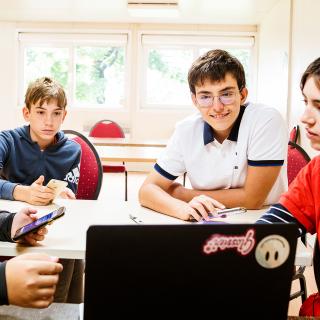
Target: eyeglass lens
[(207, 101)]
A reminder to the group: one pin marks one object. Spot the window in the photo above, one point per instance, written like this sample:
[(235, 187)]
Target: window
[(166, 60), (94, 70), (91, 67)]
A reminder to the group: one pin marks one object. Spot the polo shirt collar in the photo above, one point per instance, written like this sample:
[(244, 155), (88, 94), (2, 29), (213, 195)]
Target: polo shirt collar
[(208, 132)]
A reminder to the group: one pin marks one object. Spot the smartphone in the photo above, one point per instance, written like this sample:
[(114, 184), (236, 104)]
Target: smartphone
[(37, 224), (224, 213), (57, 186), (233, 210)]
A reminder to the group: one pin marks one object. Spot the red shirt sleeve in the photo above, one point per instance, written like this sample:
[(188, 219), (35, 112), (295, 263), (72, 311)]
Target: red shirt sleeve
[(302, 197)]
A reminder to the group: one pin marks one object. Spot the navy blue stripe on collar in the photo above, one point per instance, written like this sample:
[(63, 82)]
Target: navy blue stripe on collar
[(208, 132), (208, 135)]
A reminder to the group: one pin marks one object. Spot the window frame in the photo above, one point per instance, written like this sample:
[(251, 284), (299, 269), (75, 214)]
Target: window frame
[(70, 39), (184, 37)]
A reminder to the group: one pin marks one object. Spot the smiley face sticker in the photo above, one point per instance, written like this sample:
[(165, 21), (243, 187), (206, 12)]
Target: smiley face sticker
[(272, 251)]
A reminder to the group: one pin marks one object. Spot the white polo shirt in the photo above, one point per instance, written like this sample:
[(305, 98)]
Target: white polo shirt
[(258, 138)]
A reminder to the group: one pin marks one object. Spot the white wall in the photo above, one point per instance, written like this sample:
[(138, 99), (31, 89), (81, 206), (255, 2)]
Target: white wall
[(274, 35), (8, 71), (305, 48), (275, 53)]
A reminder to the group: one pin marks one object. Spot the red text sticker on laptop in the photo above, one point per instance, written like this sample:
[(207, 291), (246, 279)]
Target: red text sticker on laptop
[(241, 243)]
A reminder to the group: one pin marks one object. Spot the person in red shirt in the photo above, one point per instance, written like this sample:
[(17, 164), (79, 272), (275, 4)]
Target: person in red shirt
[(301, 203)]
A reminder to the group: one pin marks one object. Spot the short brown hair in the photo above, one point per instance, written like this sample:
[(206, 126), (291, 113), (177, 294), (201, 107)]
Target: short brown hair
[(214, 65), (43, 90), (313, 70)]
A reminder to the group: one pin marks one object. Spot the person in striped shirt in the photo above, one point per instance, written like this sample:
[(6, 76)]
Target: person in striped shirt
[(301, 203)]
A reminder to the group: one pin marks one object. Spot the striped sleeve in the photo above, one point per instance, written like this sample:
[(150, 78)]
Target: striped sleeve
[(279, 214), (266, 163), (164, 173)]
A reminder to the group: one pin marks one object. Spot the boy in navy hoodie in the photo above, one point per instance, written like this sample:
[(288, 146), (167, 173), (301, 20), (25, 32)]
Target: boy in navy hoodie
[(32, 155)]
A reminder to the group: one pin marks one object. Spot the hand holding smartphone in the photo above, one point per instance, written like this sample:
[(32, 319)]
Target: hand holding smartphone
[(39, 223), (57, 186)]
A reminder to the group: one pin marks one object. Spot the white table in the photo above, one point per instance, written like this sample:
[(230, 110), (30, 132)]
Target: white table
[(67, 236), (129, 142), (129, 154)]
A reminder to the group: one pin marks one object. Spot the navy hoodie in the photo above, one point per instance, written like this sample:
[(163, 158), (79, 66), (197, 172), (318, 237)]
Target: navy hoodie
[(22, 161)]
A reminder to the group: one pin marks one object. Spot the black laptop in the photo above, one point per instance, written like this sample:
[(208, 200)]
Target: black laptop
[(230, 271)]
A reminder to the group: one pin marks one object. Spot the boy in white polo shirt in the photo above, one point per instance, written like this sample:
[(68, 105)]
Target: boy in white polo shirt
[(233, 153)]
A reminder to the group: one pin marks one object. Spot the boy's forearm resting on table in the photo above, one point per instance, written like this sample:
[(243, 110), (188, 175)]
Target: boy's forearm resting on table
[(7, 189), (34, 194), (252, 195), (155, 198), (20, 193), (229, 197)]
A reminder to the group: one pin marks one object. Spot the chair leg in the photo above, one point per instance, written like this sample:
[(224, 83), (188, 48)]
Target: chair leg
[(302, 292), (126, 186), (303, 287), (184, 179)]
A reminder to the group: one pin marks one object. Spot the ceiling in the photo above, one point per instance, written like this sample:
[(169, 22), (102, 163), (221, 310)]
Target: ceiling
[(190, 11)]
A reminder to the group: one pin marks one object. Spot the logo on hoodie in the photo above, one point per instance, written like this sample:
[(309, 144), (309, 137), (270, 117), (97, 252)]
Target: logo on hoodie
[(73, 176)]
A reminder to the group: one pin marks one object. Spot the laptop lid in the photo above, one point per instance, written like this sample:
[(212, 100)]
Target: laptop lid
[(227, 269)]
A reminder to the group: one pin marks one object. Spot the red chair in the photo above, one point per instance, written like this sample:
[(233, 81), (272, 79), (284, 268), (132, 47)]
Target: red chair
[(294, 134), (91, 173), (297, 159), (311, 306), (110, 129)]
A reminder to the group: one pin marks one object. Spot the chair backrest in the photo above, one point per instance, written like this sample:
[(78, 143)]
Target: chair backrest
[(91, 173), (294, 134), (297, 159), (106, 129)]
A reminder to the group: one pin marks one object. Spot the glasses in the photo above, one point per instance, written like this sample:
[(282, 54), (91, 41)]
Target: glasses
[(206, 101)]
